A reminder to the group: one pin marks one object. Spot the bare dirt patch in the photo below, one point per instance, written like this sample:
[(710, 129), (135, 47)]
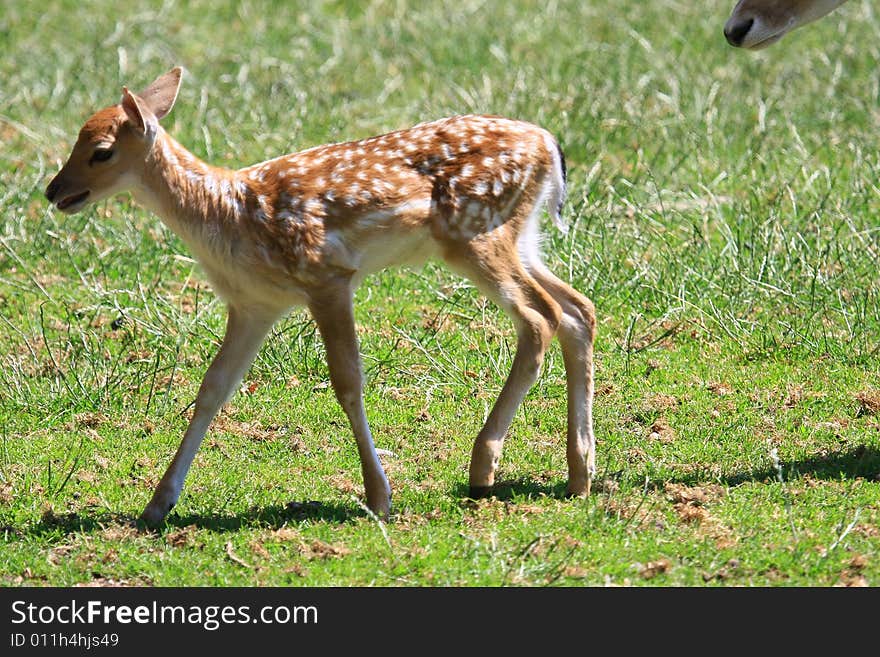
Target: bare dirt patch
[(651, 569), (318, 549), (183, 537), (869, 402), (694, 495), (286, 534), (661, 431), (719, 388)]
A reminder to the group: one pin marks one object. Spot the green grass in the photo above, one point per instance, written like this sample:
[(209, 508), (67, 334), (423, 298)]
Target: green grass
[(723, 209)]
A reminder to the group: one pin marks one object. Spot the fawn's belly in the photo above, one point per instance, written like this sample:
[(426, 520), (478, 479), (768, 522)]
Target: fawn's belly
[(261, 280), (413, 247)]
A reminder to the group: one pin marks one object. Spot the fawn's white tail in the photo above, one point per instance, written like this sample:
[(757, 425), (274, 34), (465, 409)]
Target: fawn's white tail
[(557, 184), (305, 228)]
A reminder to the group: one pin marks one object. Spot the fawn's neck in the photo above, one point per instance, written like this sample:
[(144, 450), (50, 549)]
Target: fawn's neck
[(191, 197)]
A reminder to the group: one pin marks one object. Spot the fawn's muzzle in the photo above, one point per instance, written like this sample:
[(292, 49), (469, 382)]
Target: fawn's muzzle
[(68, 202)]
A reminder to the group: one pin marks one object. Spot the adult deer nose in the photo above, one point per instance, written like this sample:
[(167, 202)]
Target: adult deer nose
[(52, 189), (735, 31)]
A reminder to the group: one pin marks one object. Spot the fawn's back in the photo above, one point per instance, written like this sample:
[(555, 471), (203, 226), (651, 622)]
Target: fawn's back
[(398, 198)]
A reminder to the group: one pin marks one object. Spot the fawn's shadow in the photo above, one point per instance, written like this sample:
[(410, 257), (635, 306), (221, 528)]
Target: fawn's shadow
[(270, 517), (509, 489), (852, 463), (855, 462)]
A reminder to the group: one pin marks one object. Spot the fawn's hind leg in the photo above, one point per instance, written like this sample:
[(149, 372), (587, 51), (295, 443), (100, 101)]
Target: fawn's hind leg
[(495, 268), (577, 331)]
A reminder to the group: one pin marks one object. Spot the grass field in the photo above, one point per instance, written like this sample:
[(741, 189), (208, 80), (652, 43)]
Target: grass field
[(724, 215)]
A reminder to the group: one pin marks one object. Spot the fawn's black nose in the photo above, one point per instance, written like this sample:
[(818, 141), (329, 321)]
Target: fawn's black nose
[(52, 189), (735, 32)]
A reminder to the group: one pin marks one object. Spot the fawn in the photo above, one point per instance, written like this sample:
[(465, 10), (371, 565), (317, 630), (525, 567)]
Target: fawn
[(306, 228)]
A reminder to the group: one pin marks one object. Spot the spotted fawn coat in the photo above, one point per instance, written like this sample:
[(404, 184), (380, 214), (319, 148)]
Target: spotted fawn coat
[(306, 228)]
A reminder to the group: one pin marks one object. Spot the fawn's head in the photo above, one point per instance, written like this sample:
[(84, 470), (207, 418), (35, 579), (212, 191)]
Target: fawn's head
[(112, 146)]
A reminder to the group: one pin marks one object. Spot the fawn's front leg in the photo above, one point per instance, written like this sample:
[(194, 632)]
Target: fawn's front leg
[(334, 316), (245, 332)]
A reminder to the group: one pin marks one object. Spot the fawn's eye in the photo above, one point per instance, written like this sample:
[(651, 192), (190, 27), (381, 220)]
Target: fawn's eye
[(101, 155)]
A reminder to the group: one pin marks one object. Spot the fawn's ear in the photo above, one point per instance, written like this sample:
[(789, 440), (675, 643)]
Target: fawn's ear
[(141, 117), (159, 97)]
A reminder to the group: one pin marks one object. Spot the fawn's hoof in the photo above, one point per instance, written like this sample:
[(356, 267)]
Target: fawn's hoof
[(153, 515), (479, 492), (380, 506), (382, 512)]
